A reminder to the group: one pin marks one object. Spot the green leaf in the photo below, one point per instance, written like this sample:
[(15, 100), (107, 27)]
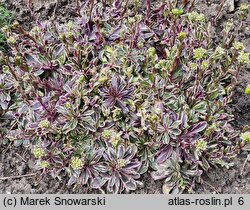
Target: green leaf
[(151, 77), (166, 138), (205, 163), (70, 126)]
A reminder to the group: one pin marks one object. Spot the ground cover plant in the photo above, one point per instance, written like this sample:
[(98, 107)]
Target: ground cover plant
[(119, 92), (5, 19)]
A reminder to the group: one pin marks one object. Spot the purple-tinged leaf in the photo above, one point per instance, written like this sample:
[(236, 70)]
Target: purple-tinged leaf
[(163, 154), (197, 128), (32, 59)]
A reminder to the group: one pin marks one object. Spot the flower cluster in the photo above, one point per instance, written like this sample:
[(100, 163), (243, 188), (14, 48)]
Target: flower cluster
[(245, 137), (247, 90)]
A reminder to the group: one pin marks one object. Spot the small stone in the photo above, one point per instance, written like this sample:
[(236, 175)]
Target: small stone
[(230, 5)]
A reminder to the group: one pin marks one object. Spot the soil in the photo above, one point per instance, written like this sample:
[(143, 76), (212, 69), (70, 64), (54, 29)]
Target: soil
[(16, 161)]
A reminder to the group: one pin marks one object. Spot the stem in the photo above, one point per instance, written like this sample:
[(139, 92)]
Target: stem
[(78, 7), (191, 5), (55, 8), (148, 5), (176, 61), (91, 10), (19, 87), (185, 2), (21, 157), (222, 4), (212, 187), (17, 177), (244, 164), (125, 9), (104, 4)]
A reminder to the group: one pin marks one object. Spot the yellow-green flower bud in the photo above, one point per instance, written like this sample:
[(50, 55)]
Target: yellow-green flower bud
[(76, 163), (106, 134), (200, 18), (243, 58), (129, 71), (200, 53), (62, 37), (28, 89), (117, 114), (247, 90), (69, 35), (19, 59), (138, 18), (81, 79), (193, 66), (245, 137), (44, 164), (153, 118), (5, 68), (67, 105), (177, 12), (219, 52), (15, 25), (114, 142), (36, 29), (196, 17), (105, 111), (11, 40), (5, 29), (115, 138), (131, 20), (204, 64), (201, 145), (151, 51), (238, 46), (161, 64), (228, 26), (158, 111), (40, 93), (70, 25), (182, 35), (137, 2), (244, 8), (210, 129), (44, 124), (102, 79), (121, 163), (192, 16), (140, 44), (38, 152)]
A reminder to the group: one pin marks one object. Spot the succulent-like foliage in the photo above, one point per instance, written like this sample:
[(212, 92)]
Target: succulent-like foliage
[(179, 176), (122, 168), (89, 94), (5, 20), (89, 170), (245, 137), (5, 89), (117, 93)]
